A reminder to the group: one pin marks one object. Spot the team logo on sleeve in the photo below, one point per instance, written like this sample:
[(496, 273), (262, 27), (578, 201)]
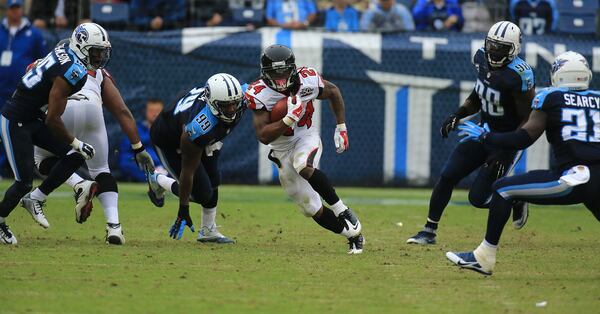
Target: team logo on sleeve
[(81, 34)]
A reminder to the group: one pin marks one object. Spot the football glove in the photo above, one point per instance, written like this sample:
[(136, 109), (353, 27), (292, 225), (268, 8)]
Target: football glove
[(448, 125), (340, 138), (85, 149), (498, 163), (472, 132), (295, 110), (183, 219), (143, 159)]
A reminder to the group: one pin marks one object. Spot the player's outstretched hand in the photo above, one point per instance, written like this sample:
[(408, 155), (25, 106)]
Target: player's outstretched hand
[(144, 160), (340, 138), (448, 125), (295, 110), (472, 132), (183, 219), (85, 149)]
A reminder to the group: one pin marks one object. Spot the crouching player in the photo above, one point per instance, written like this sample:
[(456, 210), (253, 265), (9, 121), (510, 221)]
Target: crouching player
[(187, 138), (570, 114)]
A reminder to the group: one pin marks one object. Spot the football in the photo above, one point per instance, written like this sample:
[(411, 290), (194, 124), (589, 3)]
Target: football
[(279, 110)]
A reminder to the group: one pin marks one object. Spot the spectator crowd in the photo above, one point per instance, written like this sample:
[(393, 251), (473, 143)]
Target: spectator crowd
[(533, 16)]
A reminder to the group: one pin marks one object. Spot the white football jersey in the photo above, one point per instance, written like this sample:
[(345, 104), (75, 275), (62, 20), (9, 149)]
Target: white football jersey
[(262, 97), (92, 90)]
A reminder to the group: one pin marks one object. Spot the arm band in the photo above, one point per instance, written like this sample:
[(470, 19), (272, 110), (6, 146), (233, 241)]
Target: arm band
[(518, 139)]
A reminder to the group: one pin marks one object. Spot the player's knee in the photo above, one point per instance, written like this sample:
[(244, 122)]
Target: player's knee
[(306, 172), (75, 160), (106, 182), (479, 200), (46, 165)]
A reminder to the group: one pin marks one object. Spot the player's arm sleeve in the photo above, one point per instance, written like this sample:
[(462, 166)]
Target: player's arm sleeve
[(522, 137), (253, 102)]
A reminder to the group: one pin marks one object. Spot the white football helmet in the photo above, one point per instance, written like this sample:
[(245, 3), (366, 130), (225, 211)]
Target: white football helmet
[(224, 95), (90, 43), (502, 43), (571, 70)]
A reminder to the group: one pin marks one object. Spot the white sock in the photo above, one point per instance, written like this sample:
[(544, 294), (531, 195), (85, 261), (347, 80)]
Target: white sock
[(2, 219), (73, 179), (165, 182), (109, 201), (485, 254), (338, 207), (37, 194), (208, 216)]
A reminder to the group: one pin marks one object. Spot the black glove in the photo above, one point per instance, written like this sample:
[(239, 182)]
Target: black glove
[(499, 162), (449, 125)]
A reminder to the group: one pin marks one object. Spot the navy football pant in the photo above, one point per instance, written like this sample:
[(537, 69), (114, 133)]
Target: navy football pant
[(466, 158), (541, 187), (207, 177), (18, 139)]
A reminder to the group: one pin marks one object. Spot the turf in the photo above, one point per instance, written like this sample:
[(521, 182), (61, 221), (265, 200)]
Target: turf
[(283, 262)]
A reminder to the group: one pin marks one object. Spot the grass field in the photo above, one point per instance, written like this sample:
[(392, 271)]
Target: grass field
[(283, 262)]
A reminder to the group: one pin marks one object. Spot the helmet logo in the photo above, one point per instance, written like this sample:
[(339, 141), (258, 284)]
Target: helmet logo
[(558, 64), (81, 34)]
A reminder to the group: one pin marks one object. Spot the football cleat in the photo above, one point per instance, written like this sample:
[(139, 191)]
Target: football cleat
[(467, 260), (6, 236), (114, 234), (520, 214), (355, 244), (350, 222), (35, 208), (84, 194), (422, 237), (155, 192), (212, 235)]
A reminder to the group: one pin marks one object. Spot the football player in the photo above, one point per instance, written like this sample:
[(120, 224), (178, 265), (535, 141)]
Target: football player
[(60, 74), (502, 94), (84, 118), (295, 145), (569, 113), (187, 136)]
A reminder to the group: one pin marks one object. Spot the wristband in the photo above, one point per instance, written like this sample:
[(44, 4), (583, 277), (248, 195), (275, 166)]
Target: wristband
[(287, 121), (75, 143), (137, 145), (341, 127)]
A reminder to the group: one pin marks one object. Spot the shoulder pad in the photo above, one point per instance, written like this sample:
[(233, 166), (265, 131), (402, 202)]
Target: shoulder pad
[(524, 71), (202, 123), (75, 73), (540, 98)]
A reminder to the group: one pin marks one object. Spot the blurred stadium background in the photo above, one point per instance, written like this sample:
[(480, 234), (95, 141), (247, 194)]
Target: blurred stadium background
[(398, 85)]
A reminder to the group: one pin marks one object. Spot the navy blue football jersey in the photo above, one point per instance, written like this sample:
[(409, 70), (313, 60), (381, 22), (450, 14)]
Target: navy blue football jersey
[(496, 89), (191, 114), (572, 125), (34, 88)]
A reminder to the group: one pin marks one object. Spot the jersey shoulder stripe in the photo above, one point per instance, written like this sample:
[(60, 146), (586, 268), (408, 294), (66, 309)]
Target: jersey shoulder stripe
[(202, 124), (525, 73), (540, 98)]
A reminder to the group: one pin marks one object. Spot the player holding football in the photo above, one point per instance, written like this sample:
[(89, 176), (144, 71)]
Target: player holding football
[(60, 74), (187, 136), (502, 94), (84, 118), (569, 113), (295, 145)]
